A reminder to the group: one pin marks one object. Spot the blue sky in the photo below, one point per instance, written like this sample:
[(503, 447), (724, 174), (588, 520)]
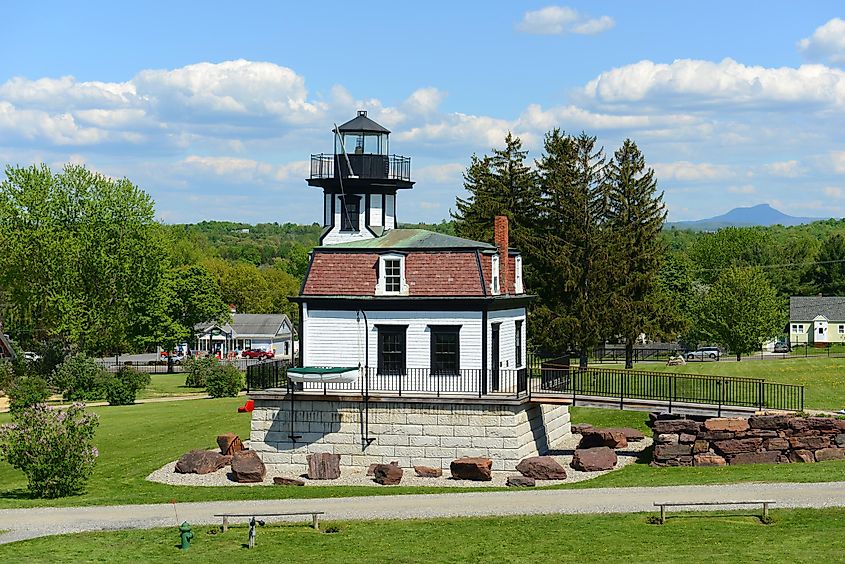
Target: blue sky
[(214, 108)]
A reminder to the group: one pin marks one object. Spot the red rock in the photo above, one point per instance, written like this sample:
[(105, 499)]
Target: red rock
[(801, 456), (809, 443), (825, 454), (428, 472), (676, 426), (631, 435), (473, 468), (520, 482), (247, 467), (371, 469), (323, 466), (579, 428), (822, 423), (594, 459), (771, 422), (284, 481), (686, 439), (731, 424), (776, 444), (602, 437), (200, 462), (756, 458), (735, 446), (667, 452), (708, 460), (717, 436), (229, 443), (541, 468), (387, 474)]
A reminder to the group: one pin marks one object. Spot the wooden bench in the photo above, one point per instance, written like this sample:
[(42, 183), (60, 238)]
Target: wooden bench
[(764, 502), (315, 519)]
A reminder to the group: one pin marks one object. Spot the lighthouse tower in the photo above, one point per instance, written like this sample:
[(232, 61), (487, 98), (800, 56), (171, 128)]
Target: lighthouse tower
[(359, 181)]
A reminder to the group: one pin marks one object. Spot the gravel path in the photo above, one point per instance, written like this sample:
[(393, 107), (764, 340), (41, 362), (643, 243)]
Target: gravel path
[(35, 522), (358, 476)]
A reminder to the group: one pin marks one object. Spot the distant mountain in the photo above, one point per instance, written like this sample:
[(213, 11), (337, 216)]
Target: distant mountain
[(761, 214)]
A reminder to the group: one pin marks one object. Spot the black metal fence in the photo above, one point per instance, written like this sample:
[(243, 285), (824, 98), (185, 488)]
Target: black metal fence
[(545, 379), (667, 387), (160, 366)]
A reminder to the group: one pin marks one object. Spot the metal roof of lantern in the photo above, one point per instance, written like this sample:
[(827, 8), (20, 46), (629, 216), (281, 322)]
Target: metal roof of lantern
[(362, 123)]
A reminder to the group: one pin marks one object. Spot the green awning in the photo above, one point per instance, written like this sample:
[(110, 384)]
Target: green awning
[(321, 369)]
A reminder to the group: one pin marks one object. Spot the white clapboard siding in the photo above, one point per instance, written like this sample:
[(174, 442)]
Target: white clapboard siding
[(375, 209), (336, 338), (507, 329)]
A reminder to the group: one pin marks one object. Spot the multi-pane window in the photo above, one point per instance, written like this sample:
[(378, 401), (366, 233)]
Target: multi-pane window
[(392, 275), (349, 213), (445, 350), (391, 349), (841, 329), (518, 342)]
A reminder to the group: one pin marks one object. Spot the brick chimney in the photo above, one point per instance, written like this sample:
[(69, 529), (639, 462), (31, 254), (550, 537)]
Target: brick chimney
[(500, 236)]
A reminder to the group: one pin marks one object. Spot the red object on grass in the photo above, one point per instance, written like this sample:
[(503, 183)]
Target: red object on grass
[(248, 407)]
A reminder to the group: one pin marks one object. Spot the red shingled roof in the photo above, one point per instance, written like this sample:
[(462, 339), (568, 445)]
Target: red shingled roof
[(431, 273)]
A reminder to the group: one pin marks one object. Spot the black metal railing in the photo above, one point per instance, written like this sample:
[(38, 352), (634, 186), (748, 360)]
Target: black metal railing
[(667, 387), (160, 366), (549, 380), (391, 167)]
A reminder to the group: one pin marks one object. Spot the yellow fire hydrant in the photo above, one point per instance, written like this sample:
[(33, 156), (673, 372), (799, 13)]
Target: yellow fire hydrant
[(186, 534)]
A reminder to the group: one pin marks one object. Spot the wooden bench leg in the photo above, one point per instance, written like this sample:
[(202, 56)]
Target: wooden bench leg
[(765, 511), (315, 521), (662, 514), (225, 524)]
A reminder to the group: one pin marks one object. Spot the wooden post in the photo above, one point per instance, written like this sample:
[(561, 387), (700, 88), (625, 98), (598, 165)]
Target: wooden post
[(225, 523), (765, 510), (662, 514), (315, 521)]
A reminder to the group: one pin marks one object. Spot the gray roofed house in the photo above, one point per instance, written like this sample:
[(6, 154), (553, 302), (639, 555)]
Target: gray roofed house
[(817, 319), (263, 331)]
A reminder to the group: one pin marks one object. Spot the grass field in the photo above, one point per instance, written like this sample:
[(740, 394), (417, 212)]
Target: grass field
[(168, 385), (135, 440), (823, 378), (795, 536)]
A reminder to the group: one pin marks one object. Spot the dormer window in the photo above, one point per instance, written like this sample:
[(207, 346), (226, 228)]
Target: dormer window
[(494, 276), (350, 210), (517, 278), (391, 280)]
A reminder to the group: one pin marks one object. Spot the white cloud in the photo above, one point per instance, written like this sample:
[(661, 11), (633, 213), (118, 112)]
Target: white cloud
[(727, 85), (827, 44), (440, 174), (685, 171), (834, 192), (743, 189), (559, 20), (837, 161)]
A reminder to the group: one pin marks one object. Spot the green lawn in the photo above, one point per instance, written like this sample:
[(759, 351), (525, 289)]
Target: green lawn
[(795, 536), (823, 378), (164, 385), (135, 440)]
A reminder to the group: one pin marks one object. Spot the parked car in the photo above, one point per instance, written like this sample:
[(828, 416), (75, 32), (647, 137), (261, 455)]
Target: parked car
[(713, 353), (781, 348), (30, 356), (258, 354)]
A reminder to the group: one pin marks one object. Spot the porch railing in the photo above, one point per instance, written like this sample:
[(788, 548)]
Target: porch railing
[(544, 380)]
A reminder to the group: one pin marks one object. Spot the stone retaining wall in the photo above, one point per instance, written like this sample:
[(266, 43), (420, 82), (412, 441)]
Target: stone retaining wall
[(428, 434), (756, 440)]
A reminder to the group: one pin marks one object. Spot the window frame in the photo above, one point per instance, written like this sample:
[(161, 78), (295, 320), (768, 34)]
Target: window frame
[(517, 339), (518, 287), (346, 217), (391, 330), (435, 331), (381, 283), (495, 286)]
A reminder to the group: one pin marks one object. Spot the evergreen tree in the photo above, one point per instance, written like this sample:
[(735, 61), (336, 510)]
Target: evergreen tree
[(499, 184), (574, 255), (635, 218)]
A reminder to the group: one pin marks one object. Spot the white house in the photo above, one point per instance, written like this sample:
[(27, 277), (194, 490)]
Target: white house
[(257, 331), (430, 328)]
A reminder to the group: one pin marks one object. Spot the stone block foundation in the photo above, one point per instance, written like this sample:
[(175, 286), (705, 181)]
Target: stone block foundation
[(410, 433)]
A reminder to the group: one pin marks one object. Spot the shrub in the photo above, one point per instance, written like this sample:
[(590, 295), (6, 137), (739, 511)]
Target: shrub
[(80, 378), (7, 375), (53, 447), (199, 369), (225, 381), (124, 385), (27, 391)]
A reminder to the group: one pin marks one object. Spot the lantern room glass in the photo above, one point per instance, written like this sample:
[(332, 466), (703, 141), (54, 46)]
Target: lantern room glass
[(361, 143)]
